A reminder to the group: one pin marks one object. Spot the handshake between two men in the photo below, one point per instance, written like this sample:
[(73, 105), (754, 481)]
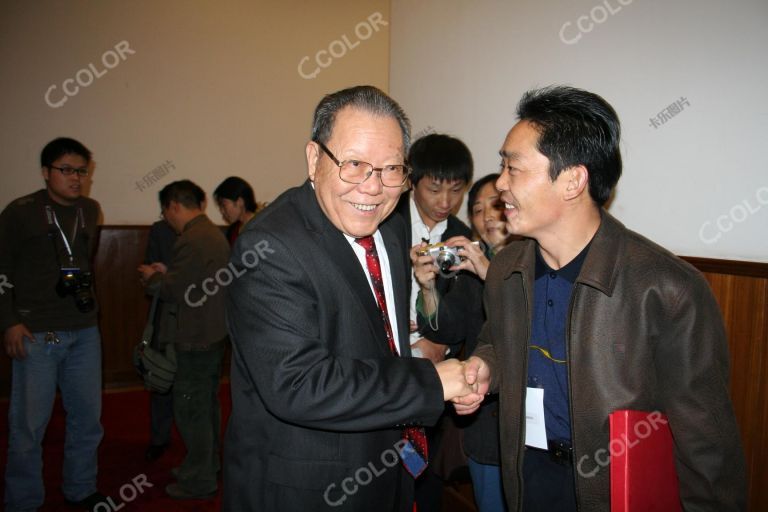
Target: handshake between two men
[(465, 383)]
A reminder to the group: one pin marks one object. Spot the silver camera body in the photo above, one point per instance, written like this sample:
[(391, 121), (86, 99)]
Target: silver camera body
[(445, 257)]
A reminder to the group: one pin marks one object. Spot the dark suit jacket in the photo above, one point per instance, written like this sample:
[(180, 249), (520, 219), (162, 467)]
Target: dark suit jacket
[(318, 399), (160, 244)]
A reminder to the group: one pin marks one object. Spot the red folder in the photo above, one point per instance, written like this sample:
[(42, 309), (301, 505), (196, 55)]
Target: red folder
[(643, 476)]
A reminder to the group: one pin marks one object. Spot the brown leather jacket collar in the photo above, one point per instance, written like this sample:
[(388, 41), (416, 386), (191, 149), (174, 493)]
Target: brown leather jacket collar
[(600, 269)]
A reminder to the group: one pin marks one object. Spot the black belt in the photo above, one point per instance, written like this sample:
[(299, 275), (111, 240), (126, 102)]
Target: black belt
[(560, 451)]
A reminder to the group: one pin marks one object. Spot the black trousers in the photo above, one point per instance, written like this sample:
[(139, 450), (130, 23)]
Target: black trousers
[(161, 418), (548, 485), (429, 486)]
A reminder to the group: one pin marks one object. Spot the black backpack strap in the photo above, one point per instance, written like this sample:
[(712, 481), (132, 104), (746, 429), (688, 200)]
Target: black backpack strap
[(146, 336)]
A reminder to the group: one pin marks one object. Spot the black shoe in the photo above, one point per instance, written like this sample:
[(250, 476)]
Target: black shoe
[(155, 451), (90, 502)]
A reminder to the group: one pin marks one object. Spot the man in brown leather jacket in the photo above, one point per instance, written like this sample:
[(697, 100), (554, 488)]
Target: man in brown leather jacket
[(590, 317)]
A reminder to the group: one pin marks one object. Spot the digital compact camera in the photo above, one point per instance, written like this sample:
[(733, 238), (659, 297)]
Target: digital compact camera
[(78, 284), (445, 257)]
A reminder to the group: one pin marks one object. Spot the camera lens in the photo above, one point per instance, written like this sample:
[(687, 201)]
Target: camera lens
[(445, 260), (84, 301)]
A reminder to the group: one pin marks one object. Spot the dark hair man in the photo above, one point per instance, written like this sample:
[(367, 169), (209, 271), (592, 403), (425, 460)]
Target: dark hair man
[(200, 254), (441, 171), (598, 317), (322, 385), (50, 328)]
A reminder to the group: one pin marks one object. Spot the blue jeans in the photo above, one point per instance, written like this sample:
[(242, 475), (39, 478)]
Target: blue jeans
[(486, 481), (74, 365)]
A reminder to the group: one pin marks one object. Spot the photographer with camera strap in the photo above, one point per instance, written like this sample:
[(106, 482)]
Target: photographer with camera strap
[(50, 328), (442, 169)]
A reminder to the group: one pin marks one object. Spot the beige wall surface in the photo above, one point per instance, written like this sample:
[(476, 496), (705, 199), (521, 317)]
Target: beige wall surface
[(687, 78), (174, 89)]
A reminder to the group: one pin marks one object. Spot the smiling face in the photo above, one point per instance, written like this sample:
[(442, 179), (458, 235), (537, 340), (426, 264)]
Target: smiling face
[(533, 203), (65, 190), (357, 209), (488, 216)]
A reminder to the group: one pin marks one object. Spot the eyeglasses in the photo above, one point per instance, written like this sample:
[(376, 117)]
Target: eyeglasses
[(68, 171), (355, 171)]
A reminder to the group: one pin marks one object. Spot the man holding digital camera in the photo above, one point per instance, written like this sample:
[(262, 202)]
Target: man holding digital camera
[(442, 169), (48, 317)]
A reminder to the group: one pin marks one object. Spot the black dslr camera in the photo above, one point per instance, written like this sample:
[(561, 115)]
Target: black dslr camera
[(78, 284)]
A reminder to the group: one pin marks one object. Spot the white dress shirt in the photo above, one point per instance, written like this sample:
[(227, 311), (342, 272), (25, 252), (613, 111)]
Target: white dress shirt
[(386, 275), (419, 232)]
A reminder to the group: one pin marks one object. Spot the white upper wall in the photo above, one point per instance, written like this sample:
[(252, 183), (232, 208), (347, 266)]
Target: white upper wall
[(208, 89), (696, 182)]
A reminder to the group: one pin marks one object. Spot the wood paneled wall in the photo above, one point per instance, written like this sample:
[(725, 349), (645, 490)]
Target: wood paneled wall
[(741, 289), (124, 306)]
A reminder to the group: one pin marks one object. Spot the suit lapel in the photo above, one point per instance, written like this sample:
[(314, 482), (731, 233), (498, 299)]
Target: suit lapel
[(404, 209), (398, 269), (343, 257)]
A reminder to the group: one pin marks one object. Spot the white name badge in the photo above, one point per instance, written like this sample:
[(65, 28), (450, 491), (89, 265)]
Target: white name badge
[(535, 432)]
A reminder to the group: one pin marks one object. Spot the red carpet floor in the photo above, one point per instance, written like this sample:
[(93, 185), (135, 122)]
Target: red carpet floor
[(125, 416)]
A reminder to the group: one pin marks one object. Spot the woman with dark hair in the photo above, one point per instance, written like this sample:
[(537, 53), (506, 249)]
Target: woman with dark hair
[(457, 316), (237, 204)]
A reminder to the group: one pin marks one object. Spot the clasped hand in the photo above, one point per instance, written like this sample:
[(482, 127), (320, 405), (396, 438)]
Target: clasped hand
[(147, 271), (465, 383)]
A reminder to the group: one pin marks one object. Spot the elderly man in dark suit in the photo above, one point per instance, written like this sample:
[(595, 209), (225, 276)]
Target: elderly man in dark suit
[(327, 403)]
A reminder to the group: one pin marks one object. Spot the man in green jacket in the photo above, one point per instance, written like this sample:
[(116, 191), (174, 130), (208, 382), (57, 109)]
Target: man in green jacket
[(199, 261)]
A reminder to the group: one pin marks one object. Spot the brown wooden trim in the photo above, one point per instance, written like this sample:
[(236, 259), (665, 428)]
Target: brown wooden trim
[(731, 267)]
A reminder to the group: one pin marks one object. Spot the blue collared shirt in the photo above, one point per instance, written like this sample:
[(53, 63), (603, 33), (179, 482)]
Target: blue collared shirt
[(551, 300)]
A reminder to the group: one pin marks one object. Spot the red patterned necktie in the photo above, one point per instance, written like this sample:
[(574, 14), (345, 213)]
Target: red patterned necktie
[(414, 452)]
